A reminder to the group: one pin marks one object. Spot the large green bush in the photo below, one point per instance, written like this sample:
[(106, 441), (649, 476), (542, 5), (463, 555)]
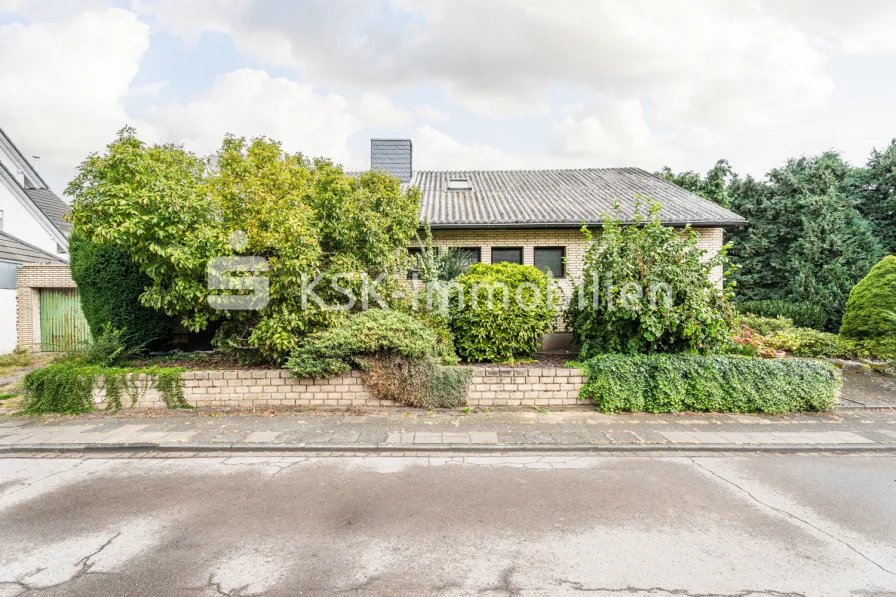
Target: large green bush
[(173, 212), (804, 315), (647, 288), (402, 358), (110, 285), (688, 382), (370, 333), (871, 308), (500, 312)]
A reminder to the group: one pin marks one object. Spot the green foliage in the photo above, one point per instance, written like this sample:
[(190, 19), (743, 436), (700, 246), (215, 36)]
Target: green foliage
[(110, 348), (370, 333), (172, 212), (647, 289), (436, 264), (67, 388), (687, 382), (780, 334), (420, 383), (871, 308), (804, 315), (110, 285), (714, 186), (806, 241), (500, 312), (874, 190)]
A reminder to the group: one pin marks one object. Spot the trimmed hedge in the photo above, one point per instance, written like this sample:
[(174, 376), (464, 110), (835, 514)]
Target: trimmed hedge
[(488, 328), (803, 315), (686, 382), (110, 285), (871, 308)]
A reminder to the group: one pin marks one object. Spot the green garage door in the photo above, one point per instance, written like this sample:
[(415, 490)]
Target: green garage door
[(62, 324)]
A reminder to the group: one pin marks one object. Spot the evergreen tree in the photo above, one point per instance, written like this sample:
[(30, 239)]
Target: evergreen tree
[(805, 241), (874, 188)]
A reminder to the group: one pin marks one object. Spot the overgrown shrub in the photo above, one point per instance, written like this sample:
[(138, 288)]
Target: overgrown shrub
[(500, 312), (871, 308), (403, 358), (309, 221), (422, 384), (647, 288), (110, 285), (17, 358), (713, 383), (373, 332), (804, 315)]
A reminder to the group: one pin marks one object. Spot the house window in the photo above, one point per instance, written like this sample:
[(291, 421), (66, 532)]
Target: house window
[(472, 254), (551, 259), (415, 253), (507, 255)]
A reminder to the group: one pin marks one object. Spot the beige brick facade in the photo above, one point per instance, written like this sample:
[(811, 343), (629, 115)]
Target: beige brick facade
[(31, 278), (494, 386), (570, 239)]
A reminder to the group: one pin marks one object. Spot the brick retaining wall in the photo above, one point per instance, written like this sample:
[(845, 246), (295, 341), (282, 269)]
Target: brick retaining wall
[(494, 386)]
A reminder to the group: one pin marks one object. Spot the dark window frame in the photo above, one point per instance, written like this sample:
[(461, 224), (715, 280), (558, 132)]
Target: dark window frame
[(520, 249), (562, 258), (476, 251), (414, 272)]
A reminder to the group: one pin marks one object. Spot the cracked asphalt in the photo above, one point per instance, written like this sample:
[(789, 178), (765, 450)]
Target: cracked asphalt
[(763, 525)]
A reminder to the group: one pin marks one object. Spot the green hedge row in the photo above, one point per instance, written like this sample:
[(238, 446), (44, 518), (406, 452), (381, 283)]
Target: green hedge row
[(803, 315), (685, 382)]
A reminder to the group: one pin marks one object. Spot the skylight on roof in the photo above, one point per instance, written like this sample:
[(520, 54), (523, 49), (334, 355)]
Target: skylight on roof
[(459, 184)]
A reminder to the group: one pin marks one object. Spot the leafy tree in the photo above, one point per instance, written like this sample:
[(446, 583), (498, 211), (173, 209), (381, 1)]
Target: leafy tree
[(871, 308), (714, 186), (646, 289), (174, 212), (874, 188), (805, 241), (110, 285)]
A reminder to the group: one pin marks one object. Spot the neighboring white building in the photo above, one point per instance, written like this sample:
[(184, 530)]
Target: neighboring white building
[(32, 229)]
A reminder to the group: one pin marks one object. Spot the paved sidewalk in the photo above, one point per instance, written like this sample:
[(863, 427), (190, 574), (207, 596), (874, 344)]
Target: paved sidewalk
[(414, 430)]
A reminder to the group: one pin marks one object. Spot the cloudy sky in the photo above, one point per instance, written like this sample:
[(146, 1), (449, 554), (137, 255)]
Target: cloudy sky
[(475, 83)]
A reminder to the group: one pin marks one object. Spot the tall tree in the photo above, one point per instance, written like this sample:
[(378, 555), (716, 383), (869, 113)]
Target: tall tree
[(874, 188), (805, 241), (714, 186)]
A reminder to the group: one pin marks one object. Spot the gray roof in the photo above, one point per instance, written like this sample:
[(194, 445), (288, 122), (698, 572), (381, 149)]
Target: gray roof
[(394, 156), (18, 251), (52, 206), (558, 198)]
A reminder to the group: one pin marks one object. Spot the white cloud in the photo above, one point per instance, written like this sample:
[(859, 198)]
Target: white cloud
[(148, 89), (430, 112), (250, 103), (505, 57), (612, 133), (63, 84), (52, 10), (435, 150), (860, 26)]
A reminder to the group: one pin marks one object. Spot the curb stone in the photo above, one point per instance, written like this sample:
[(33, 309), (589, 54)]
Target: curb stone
[(453, 448)]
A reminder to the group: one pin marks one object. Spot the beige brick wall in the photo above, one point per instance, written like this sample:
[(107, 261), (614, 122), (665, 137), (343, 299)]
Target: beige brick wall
[(31, 278), (496, 386)]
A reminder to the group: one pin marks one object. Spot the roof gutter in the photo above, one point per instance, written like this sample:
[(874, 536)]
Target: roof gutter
[(538, 226), (32, 208)]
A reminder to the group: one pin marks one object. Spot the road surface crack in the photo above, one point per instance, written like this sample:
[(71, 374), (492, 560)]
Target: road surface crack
[(793, 516), (506, 584)]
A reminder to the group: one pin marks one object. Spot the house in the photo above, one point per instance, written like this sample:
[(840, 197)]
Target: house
[(32, 231), (534, 217)]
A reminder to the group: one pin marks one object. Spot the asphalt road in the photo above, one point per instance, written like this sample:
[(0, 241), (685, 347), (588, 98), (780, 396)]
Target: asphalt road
[(746, 526)]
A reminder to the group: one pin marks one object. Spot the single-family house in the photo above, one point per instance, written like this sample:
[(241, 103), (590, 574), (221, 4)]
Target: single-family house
[(534, 217)]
